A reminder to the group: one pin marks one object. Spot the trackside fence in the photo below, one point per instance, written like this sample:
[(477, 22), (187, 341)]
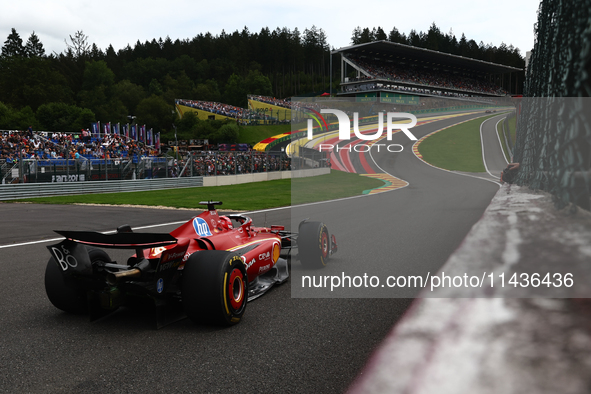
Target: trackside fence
[(28, 190), (553, 144), (36, 178)]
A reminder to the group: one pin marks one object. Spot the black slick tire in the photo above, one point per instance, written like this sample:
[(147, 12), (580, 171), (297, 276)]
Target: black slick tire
[(313, 244), (66, 296), (214, 287)]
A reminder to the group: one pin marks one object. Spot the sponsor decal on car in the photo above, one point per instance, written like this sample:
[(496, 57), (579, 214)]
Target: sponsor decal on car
[(264, 256), (154, 252), (171, 260), (264, 268), (201, 227), (64, 258), (250, 263), (172, 256), (169, 265)]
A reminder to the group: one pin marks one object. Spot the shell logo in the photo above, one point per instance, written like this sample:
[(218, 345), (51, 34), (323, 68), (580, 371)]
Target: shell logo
[(154, 252), (276, 252)]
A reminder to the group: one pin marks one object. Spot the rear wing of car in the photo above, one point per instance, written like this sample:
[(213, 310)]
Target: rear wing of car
[(121, 240)]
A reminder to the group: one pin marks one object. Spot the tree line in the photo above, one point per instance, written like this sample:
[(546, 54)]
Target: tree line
[(66, 91), (435, 40), (85, 83)]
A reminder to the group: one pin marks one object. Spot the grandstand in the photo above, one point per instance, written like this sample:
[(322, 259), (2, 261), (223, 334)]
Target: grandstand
[(400, 74), (278, 110), (45, 155), (261, 110), (208, 110), (27, 157)]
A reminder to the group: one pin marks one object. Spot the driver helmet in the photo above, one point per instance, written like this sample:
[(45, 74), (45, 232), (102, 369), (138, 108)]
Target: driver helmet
[(226, 223)]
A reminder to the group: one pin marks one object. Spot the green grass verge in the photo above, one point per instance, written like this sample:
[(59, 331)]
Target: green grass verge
[(502, 139), (457, 148), (255, 134), (244, 197), (512, 128), (338, 184)]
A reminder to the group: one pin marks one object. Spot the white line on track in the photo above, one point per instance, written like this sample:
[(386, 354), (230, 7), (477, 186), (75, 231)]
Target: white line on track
[(499, 137), (184, 221), (61, 238), (30, 243), (482, 147)]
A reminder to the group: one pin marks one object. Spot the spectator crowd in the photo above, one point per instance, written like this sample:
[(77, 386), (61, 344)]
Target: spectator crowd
[(56, 145), (230, 163), (245, 116), (285, 103), (242, 115), (426, 78), (46, 146)]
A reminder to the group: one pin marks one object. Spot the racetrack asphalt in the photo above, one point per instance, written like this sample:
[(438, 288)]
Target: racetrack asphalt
[(283, 344), (405, 232)]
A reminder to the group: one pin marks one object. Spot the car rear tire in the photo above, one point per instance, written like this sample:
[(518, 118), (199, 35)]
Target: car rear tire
[(313, 244), (67, 297), (214, 287)]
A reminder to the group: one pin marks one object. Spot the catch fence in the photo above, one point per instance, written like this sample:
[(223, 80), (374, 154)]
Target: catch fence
[(194, 164), (553, 144)]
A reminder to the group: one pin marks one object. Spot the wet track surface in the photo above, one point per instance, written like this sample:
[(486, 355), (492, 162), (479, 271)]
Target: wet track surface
[(283, 344), (406, 232)]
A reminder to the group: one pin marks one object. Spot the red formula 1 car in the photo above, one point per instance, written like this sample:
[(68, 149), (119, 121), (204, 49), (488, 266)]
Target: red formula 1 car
[(207, 269)]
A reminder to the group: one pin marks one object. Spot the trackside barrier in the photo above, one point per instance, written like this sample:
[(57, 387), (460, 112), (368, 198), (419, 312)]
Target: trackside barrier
[(192, 164), (264, 176), (497, 330), (28, 190)]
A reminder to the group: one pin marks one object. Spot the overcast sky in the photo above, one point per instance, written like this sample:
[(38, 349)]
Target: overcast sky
[(122, 22)]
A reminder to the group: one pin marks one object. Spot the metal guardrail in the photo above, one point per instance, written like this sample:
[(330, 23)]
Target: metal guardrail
[(27, 190)]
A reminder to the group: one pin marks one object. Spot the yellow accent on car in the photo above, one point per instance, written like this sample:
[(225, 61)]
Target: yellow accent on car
[(225, 298), (276, 252)]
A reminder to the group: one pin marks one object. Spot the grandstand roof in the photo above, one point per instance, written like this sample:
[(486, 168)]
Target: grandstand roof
[(395, 51)]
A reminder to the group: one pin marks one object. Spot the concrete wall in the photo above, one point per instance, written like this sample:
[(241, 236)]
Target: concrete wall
[(224, 180), (506, 339)]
